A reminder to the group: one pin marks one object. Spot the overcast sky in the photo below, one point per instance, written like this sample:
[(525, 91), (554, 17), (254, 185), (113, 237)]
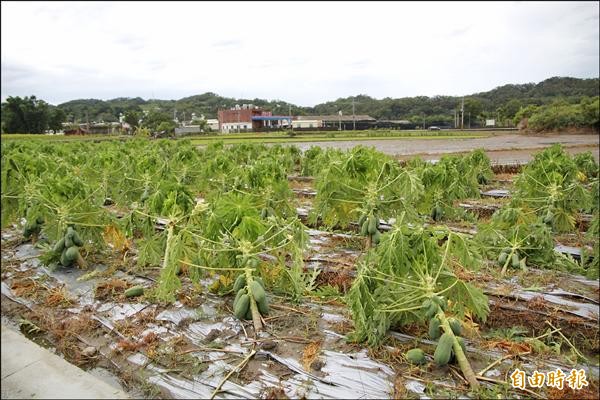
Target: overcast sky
[(303, 52)]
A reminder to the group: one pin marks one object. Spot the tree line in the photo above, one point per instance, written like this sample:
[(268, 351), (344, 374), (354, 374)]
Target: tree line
[(502, 104), (30, 115)]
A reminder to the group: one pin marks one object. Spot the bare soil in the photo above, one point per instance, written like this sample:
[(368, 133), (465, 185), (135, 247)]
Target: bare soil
[(501, 148)]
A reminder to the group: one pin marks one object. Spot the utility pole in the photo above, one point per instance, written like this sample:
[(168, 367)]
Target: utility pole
[(462, 114), (455, 118), (290, 113), (353, 116), (469, 119), (340, 115)]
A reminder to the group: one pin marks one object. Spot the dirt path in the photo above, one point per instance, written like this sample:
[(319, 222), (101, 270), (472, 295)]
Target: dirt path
[(506, 147)]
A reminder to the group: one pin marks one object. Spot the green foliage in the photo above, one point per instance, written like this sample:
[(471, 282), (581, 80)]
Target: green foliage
[(30, 115), (363, 182), (437, 110), (408, 267), (549, 185), (561, 115), (451, 178)]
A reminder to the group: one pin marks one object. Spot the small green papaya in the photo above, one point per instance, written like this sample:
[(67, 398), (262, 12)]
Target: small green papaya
[(434, 329), (415, 356), (134, 291), (240, 282), (502, 258), (372, 228), (257, 291), (59, 246), (72, 253), (242, 306), (515, 261), (455, 326)]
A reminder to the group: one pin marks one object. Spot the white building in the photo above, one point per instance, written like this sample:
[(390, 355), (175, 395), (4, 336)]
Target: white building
[(307, 123)]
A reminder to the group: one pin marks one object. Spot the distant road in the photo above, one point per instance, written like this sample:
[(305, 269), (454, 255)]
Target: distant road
[(502, 147)]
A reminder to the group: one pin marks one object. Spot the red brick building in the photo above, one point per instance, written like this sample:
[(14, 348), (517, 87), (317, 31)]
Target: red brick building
[(239, 119)]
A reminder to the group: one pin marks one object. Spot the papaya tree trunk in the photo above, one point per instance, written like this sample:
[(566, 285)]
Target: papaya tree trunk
[(253, 307), (461, 358), (368, 242)]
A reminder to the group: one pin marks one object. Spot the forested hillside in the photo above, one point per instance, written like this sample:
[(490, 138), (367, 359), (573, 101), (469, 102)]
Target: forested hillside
[(501, 103)]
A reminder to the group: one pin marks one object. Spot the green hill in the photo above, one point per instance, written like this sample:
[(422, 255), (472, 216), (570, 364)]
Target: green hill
[(503, 102)]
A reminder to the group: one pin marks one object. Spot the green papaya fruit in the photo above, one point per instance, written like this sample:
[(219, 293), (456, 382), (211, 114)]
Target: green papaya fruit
[(432, 310), (240, 282), (440, 301), (239, 294), (455, 326), (372, 227), (257, 291), (69, 241), (515, 261), (72, 253), (76, 239), (134, 291), (443, 350), (434, 213), (364, 228), (502, 258), (59, 246), (63, 259), (361, 219), (376, 237), (242, 306), (259, 280), (415, 356), (434, 329), (263, 306)]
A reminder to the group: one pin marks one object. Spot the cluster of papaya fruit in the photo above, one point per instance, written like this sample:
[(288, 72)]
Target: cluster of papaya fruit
[(515, 262), (369, 226), (444, 351), (245, 293), (68, 247), (33, 226), (267, 211)]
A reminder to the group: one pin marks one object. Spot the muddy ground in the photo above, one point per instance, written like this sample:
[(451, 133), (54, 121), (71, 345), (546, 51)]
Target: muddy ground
[(501, 148)]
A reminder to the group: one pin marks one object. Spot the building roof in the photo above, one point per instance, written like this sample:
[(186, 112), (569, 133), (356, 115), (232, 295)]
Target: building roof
[(335, 118), (271, 118)]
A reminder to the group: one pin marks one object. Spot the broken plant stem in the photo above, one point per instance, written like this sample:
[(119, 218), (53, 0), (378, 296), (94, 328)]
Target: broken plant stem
[(498, 361), (238, 368), (568, 341)]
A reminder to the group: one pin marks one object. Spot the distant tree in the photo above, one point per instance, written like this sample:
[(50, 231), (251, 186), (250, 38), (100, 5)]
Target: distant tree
[(157, 121), (510, 109), (166, 126), (132, 118), (56, 119), (25, 115)]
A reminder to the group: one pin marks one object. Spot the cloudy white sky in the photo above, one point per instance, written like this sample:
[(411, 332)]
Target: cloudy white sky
[(302, 52)]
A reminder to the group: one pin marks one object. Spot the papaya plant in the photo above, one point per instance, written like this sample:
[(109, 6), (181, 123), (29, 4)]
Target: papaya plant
[(409, 278), (549, 185), (364, 185)]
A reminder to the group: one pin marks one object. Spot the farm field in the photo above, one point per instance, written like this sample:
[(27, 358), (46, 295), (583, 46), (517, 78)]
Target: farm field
[(273, 271), (501, 146)]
